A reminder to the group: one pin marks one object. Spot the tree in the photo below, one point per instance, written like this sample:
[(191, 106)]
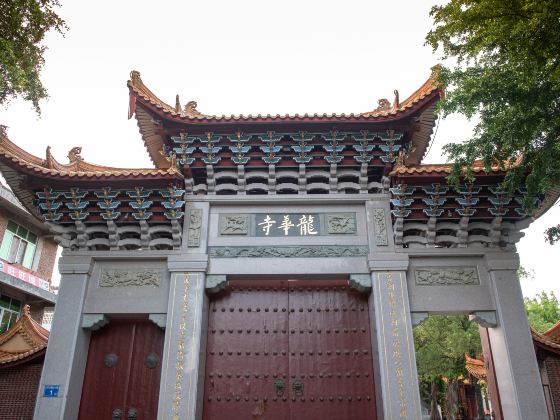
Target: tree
[(23, 25), (507, 71), (441, 343), (553, 234), (543, 311)]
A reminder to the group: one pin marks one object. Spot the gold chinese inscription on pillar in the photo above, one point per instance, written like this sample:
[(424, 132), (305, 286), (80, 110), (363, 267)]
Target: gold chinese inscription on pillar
[(180, 357), (396, 345)]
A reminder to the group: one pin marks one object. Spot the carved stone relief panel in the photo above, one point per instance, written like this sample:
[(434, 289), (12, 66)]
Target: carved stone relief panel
[(130, 278), (195, 224), (341, 223), (447, 276), (323, 251), (234, 224), (380, 227)]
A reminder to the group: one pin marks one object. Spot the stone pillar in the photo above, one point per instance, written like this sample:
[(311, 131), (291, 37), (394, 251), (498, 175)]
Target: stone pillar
[(67, 351), (397, 360), (517, 372), (184, 352), (182, 373)]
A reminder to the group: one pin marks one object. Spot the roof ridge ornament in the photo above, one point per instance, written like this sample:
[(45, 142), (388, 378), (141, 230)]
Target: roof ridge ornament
[(395, 101), (135, 77), (74, 154), (177, 104), (191, 111), (49, 159), (383, 105)]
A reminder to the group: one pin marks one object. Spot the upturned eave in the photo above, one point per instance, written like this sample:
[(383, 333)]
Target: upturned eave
[(152, 114)]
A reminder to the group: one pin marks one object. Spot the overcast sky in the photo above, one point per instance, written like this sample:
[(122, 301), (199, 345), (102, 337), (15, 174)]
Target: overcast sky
[(237, 57)]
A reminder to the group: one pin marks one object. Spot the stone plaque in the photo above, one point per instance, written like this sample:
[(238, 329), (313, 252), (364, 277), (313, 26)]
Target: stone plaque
[(234, 224), (380, 227), (341, 223), (447, 276), (287, 224), (130, 278), (195, 224)]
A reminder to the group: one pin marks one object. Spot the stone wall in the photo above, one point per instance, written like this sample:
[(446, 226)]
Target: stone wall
[(47, 259), (553, 371), (3, 225), (18, 390)]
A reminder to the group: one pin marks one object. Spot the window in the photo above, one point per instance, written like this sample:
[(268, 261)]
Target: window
[(9, 312), (18, 245)]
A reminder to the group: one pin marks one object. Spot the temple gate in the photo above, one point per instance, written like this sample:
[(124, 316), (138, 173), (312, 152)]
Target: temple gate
[(271, 267)]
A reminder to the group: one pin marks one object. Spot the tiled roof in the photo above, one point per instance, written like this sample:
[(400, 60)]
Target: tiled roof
[(475, 367), (25, 340), (77, 168), (553, 333), (444, 169), (14, 161), (148, 108), (190, 113), (549, 340), (436, 168)]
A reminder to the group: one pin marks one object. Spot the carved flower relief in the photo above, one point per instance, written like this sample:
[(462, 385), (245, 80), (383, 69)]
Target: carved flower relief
[(447, 276), (341, 223), (128, 278)]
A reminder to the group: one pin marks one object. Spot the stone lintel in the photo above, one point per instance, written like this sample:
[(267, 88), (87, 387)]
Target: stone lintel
[(139, 254), (215, 282), (187, 262), (502, 261), (289, 199), (78, 265), (388, 262), (94, 322), (486, 319), (444, 252), (361, 282), (418, 317), (159, 319)]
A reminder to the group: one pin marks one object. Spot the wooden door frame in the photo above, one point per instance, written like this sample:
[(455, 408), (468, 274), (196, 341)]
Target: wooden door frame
[(324, 280), (119, 317)]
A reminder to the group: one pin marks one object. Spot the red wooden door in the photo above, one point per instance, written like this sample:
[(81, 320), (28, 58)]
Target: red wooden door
[(123, 371), (289, 352), (247, 355), (331, 367)]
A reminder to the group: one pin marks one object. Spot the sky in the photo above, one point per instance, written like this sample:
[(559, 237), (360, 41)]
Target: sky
[(237, 57)]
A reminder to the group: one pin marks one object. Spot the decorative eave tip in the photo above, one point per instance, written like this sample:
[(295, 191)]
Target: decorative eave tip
[(137, 87), (385, 107)]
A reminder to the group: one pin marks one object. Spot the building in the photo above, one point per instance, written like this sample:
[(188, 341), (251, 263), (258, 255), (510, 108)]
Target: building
[(27, 258), (547, 350), (272, 266), (22, 352)]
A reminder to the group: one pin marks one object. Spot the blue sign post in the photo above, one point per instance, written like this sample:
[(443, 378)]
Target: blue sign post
[(51, 391)]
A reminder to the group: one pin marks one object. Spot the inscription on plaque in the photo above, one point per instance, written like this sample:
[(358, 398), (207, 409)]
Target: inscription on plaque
[(447, 276), (287, 224), (127, 278)]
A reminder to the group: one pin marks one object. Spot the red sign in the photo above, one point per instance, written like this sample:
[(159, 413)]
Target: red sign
[(23, 275)]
